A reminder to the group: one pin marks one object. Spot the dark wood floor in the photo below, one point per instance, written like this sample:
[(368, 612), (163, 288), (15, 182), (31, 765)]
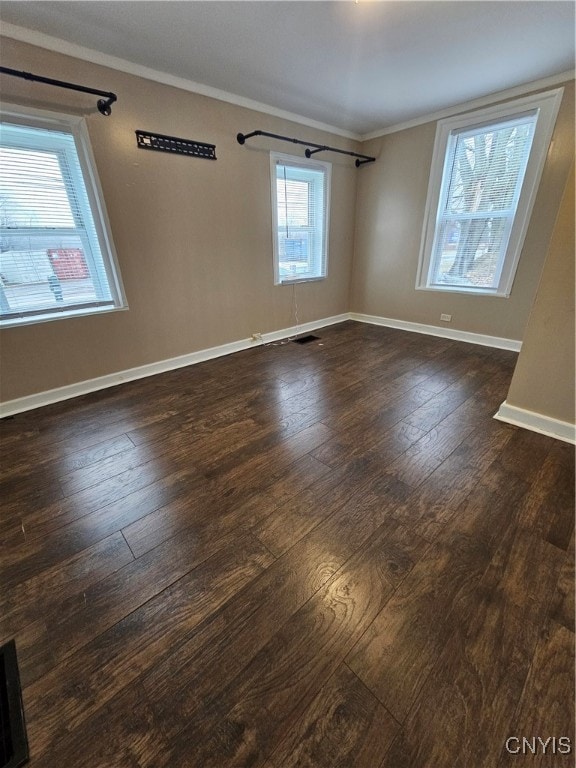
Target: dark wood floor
[(299, 555)]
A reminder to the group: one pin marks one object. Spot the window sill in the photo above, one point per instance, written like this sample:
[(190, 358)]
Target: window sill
[(464, 291), (64, 315), (296, 280)]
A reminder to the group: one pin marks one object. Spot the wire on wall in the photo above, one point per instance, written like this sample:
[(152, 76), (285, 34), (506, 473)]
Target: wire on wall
[(294, 312)]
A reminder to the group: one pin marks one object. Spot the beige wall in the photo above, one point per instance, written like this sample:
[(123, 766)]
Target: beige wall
[(390, 211), (193, 237), (543, 380)]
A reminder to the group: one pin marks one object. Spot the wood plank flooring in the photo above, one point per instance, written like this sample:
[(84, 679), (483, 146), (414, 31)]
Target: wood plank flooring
[(324, 555)]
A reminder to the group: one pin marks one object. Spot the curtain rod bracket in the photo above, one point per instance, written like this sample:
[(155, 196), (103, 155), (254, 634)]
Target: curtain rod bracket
[(362, 159), (104, 105), (241, 137)]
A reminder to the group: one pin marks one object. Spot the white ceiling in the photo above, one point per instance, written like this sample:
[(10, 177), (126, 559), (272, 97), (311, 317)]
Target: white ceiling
[(359, 67)]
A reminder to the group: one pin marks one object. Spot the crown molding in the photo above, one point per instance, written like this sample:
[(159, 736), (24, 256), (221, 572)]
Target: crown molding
[(483, 101), (58, 45)]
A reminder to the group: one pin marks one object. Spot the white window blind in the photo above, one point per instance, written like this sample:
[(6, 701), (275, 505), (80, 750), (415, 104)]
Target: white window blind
[(300, 199), (484, 177), (54, 257)]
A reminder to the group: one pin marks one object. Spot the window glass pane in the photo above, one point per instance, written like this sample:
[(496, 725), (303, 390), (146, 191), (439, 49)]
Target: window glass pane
[(488, 167), (483, 176), (300, 239), (32, 190), (50, 255), (40, 273), (469, 252), (293, 205)]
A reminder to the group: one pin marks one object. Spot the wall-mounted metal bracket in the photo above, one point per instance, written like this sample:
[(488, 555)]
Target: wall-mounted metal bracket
[(161, 143)]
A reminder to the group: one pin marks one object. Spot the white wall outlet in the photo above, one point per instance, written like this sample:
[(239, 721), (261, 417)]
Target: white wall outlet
[(446, 318)]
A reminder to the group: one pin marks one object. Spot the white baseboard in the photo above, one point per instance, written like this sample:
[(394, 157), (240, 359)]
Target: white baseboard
[(537, 422), (28, 403), (21, 404), (434, 330), (267, 338)]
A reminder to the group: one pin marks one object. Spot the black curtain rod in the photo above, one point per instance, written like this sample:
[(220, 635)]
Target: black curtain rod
[(241, 138), (104, 105)]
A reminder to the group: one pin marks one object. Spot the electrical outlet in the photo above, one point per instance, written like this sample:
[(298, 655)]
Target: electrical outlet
[(446, 318)]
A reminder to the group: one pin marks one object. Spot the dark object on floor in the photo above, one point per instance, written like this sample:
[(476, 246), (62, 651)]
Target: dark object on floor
[(13, 742), (305, 339)]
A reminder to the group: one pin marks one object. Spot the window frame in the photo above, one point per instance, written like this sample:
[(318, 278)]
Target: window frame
[(30, 117), (304, 164), (546, 106)]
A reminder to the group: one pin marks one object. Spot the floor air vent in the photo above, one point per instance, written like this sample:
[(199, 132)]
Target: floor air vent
[(13, 743), (305, 339)]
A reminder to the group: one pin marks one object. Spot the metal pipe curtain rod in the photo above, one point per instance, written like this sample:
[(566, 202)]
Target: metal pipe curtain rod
[(362, 159), (104, 105)]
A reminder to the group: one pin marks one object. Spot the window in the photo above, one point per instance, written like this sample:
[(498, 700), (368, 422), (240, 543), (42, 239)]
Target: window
[(484, 177), (56, 255), (300, 203)]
